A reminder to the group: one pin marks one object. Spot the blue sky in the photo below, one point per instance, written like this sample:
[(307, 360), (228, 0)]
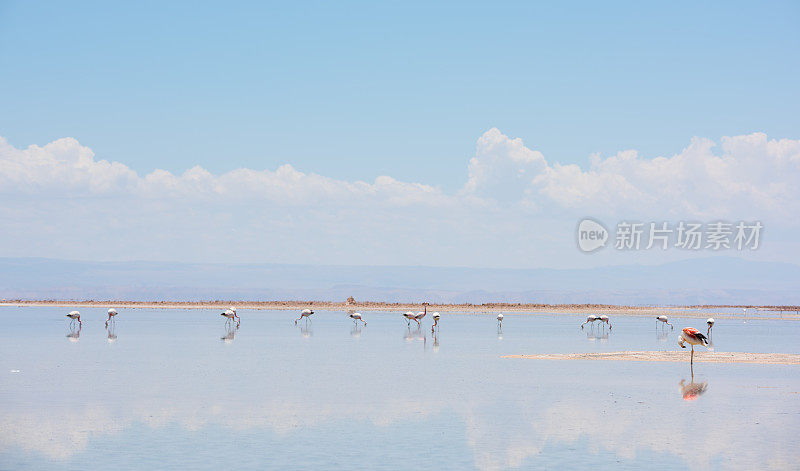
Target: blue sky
[(357, 90), (391, 133)]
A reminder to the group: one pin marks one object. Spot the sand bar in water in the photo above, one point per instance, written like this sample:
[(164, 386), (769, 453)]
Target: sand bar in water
[(674, 356)]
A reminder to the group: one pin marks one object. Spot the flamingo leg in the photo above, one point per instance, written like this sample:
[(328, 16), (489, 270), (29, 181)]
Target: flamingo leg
[(691, 361)]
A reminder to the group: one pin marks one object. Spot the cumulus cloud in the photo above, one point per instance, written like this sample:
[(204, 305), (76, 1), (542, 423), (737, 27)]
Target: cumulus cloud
[(66, 168), (747, 174), (515, 205)]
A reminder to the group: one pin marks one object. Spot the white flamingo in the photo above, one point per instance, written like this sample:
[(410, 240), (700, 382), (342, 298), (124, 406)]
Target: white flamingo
[(435, 322), (230, 315), (111, 314), (664, 320), (500, 321), (75, 316), (710, 322), (356, 316), (604, 319), (590, 318), (304, 313), (418, 317), (410, 317)]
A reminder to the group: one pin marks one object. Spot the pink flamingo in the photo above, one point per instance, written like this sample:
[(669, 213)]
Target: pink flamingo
[(693, 337)]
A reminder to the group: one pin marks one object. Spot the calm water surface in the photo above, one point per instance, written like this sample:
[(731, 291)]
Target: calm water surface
[(174, 389)]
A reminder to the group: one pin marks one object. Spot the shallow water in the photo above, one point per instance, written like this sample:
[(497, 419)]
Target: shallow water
[(175, 389)]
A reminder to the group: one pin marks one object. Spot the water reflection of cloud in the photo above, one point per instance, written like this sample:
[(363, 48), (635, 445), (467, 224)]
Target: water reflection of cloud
[(499, 441), (510, 416)]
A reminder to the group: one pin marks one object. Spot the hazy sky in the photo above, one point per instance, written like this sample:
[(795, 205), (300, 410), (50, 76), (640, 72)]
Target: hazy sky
[(335, 132)]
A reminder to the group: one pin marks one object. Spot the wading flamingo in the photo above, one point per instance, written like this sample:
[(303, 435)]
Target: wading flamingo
[(665, 320), (230, 315), (590, 318), (421, 314), (710, 322), (75, 316), (604, 319), (304, 313), (435, 321), (693, 337), (111, 313), (356, 316), (410, 317), (500, 321)]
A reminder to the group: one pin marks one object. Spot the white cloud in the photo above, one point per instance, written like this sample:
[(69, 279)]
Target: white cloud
[(751, 176), (514, 205)]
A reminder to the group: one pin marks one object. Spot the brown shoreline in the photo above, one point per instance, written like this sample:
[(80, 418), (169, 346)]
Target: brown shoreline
[(774, 312)]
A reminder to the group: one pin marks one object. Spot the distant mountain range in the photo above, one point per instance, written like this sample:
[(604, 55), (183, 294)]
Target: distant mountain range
[(715, 280)]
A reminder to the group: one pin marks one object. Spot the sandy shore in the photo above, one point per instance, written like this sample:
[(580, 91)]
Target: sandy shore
[(674, 356), (761, 312)]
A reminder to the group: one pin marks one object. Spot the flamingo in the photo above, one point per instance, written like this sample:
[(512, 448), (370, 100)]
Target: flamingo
[(665, 320), (590, 318), (230, 315), (710, 322), (500, 321), (356, 316), (435, 321), (304, 313), (75, 316), (693, 337), (111, 313), (421, 314), (410, 317), (604, 319)]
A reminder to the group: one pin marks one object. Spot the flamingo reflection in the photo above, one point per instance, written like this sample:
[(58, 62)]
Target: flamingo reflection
[(230, 333), (306, 331), (111, 332), (601, 335), (692, 391), (74, 334), (355, 331)]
